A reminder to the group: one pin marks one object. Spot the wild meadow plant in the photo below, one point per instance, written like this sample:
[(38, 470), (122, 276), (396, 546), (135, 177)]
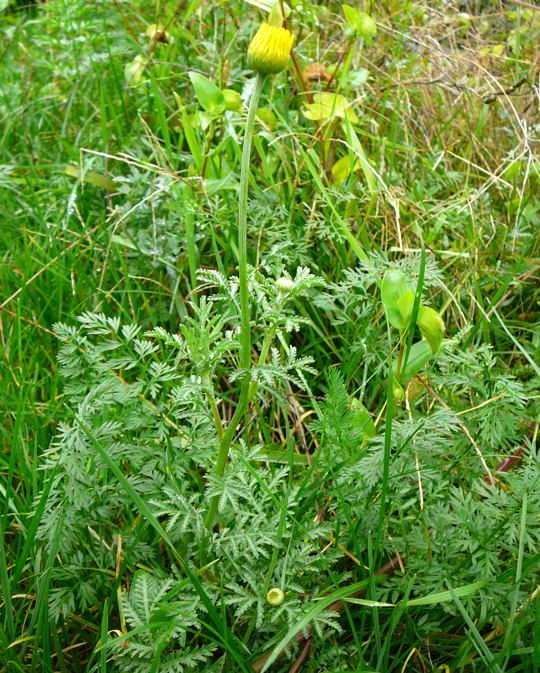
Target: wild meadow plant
[(273, 454)]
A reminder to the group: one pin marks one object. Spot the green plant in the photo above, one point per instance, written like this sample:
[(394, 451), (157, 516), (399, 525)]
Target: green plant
[(382, 484)]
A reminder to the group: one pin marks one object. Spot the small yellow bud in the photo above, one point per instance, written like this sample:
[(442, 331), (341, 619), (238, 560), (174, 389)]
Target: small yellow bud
[(269, 50), (275, 596)]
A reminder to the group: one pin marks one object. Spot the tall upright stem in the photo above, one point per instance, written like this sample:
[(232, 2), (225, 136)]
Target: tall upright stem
[(245, 333)]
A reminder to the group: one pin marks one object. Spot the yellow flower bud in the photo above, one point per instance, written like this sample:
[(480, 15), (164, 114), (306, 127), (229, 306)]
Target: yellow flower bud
[(269, 50), (275, 596)]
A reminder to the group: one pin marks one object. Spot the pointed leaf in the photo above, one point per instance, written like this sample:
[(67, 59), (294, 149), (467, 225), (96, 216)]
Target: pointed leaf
[(208, 94)]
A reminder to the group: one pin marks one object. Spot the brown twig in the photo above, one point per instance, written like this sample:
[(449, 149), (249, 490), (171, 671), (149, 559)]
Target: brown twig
[(302, 657), (510, 461), (528, 5), (338, 65), (506, 464), (493, 96)]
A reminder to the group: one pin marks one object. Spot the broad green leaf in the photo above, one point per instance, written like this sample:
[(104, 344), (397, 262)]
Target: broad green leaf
[(352, 17), (208, 94), (361, 419), (419, 356), (266, 5), (134, 70), (267, 117), (344, 167), (358, 77)]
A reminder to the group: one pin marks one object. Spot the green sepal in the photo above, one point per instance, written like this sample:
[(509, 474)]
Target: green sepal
[(233, 100)]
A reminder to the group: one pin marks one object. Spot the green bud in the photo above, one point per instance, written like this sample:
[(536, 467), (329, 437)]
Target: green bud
[(233, 100), (360, 23), (366, 27), (284, 285), (275, 596), (432, 327), (398, 392)]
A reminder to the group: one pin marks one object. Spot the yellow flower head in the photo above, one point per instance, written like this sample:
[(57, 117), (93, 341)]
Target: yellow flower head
[(270, 48)]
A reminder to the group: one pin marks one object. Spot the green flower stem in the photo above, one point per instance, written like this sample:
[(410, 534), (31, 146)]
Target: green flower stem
[(399, 368), (262, 359), (245, 333), (213, 406), (189, 223)]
